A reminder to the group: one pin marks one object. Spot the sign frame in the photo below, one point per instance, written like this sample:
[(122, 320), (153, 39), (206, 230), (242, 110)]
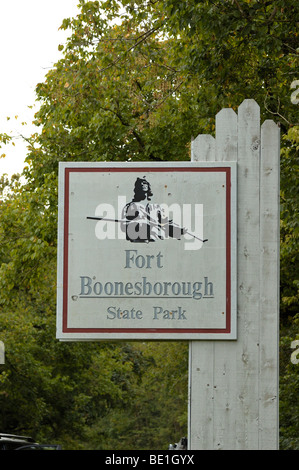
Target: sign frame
[(69, 333)]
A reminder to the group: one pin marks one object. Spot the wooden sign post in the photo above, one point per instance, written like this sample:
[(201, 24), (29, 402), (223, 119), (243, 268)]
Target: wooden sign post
[(233, 402)]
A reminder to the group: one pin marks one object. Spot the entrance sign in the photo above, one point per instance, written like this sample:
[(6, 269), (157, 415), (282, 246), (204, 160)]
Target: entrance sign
[(147, 251)]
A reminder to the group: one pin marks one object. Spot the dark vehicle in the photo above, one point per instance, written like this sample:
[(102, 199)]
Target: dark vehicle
[(15, 442)]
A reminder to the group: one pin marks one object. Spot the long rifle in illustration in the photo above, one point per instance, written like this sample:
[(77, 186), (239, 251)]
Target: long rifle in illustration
[(163, 226)]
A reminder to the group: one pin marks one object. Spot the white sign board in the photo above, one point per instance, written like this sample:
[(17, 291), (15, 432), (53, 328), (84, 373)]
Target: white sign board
[(147, 251)]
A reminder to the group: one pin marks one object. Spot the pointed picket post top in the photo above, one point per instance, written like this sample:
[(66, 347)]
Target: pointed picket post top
[(227, 112), (249, 103), (203, 148), (226, 135), (271, 125), (270, 136), (249, 111)]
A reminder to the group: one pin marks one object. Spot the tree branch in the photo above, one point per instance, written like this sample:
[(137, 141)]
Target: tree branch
[(140, 39), (272, 15), (240, 8), (277, 112)]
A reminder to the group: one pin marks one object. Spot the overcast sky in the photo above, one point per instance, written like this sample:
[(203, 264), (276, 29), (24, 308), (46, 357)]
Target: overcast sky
[(29, 39)]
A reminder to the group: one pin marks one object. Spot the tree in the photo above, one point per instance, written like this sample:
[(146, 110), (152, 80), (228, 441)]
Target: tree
[(156, 414), (48, 389)]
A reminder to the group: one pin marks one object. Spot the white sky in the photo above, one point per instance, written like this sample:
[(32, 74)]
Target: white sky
[(29, 39)]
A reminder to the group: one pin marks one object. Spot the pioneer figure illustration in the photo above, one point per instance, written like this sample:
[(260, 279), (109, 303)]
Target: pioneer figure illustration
[(143, 221)]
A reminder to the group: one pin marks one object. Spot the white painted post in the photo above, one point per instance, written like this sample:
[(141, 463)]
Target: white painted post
[(269, 289), (233, 385)]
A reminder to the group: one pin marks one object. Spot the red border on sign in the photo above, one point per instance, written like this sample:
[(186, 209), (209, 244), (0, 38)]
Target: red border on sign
[(226, 330)]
